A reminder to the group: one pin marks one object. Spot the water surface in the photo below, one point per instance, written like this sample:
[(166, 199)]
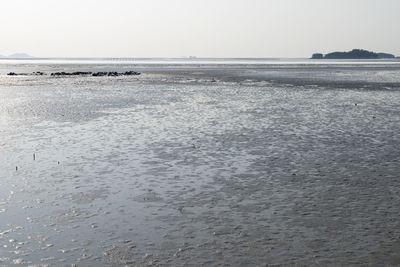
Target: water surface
[(241, 165)]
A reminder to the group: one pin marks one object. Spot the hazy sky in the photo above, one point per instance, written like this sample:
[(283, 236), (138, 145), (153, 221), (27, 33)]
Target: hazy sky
[(203, 28)]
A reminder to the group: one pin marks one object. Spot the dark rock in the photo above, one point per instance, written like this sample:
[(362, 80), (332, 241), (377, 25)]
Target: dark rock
[(81, 73), (58, 73), (114, 73), (131, 73), (77, 73), (99, 74)]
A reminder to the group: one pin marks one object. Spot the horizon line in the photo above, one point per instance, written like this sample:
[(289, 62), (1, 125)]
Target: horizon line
[(160, 58)]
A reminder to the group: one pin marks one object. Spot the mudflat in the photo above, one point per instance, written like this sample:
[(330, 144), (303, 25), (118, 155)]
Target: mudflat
[(238, 165)]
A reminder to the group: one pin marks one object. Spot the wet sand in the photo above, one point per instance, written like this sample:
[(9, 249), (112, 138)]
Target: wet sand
[(188, 166)]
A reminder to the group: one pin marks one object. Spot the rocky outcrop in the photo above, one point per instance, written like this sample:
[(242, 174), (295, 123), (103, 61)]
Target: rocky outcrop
[(96, 74), (79, 73), (36, 73)]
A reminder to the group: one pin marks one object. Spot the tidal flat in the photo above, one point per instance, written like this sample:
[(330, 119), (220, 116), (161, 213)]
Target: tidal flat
[(188, 165)]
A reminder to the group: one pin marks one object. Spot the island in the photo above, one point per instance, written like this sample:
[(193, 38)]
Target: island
[(20, 55), (353, 54), (17, 56)]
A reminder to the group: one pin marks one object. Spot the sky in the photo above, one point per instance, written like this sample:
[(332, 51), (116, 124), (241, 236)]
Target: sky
[(202, 28)]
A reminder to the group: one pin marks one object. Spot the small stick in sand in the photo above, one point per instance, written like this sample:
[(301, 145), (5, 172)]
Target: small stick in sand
[(34, 156), (16, 168)]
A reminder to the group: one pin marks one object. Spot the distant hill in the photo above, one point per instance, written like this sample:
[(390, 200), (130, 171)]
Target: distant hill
[(20, 55), (353, 54)]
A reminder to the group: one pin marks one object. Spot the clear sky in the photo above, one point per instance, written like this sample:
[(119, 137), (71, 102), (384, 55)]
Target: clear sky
[(203, 28)]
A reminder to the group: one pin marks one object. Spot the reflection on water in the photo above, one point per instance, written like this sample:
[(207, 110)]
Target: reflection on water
[(187, 169)]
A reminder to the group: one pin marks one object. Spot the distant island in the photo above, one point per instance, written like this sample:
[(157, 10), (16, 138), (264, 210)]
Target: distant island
[(17, 55), (353, 54)]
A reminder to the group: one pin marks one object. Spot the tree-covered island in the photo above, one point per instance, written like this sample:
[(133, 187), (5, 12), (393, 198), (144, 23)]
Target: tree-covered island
[(353, 54)]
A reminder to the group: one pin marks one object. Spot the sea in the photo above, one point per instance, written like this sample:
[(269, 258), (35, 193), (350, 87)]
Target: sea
[(200, 162)]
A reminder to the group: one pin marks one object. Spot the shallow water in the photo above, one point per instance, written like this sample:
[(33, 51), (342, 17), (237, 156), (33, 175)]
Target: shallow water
[(190, 165)]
